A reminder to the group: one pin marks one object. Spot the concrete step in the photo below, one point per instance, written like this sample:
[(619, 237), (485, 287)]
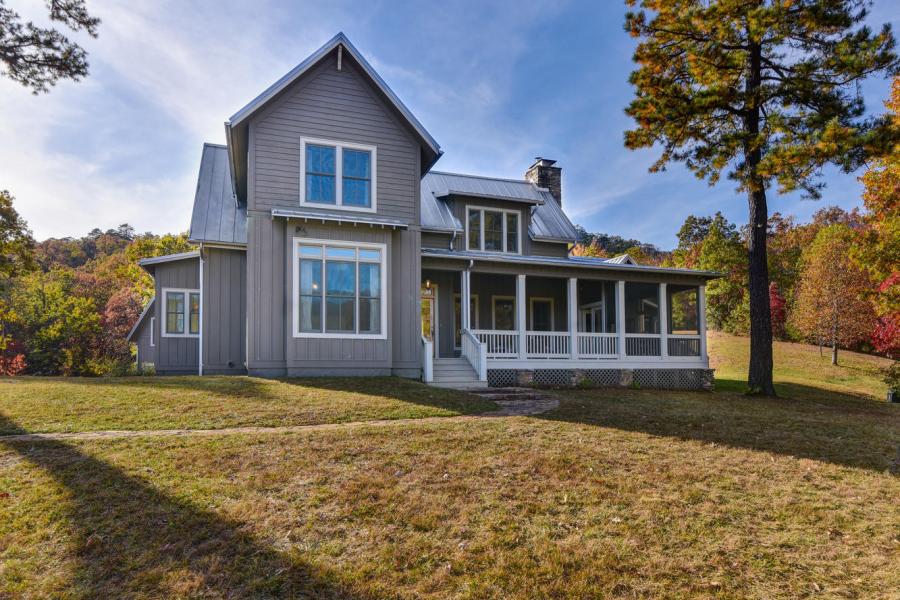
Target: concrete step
[(455, 385), (457, 378), (453, 369)]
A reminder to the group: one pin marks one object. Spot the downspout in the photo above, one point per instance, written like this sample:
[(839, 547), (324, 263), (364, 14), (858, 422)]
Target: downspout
[(453, 239), (200, 339)]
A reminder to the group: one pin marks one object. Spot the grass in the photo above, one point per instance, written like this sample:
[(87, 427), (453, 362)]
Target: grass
[(616, 494), (62, 405), (799, 367)]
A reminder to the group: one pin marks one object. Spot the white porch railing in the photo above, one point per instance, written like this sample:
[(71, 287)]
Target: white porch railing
[(547, 344), (642, 344), (427, 360), (475, 351), (598, 345), (684, 345), (499, 343)]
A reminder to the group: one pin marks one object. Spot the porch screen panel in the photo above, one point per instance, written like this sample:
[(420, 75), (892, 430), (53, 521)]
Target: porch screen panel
[(641, 308), (684, 317)]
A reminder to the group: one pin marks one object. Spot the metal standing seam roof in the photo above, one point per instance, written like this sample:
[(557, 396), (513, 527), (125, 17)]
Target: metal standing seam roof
[(570, 261), (548, 221), (217, 217)]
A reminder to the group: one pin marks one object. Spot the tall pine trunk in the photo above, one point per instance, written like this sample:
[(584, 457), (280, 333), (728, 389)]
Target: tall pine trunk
[(759, 376)]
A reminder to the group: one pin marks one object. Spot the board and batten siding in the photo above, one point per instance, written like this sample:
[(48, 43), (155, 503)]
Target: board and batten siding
[(340, 106), (224, 311), (146, 354), (273, 349), (175, 354)]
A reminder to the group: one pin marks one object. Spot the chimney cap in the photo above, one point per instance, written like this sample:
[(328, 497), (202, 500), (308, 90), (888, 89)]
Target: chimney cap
[(543, 162)]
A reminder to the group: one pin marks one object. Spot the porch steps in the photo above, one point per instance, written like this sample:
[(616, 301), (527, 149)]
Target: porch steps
[(455, 373)]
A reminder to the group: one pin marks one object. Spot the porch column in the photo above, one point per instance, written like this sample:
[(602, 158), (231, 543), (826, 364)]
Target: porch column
[(465, 301), (620, 317), (663, 322), (573, 317), (701, 326), (520, 316)]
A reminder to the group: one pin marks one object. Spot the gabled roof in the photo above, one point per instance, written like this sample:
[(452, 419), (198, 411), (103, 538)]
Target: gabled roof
[(144, 313), (622, 259), (548, 221), (236, 126), (217, 217)]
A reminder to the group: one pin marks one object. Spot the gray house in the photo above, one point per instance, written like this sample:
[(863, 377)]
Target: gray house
[(328, 244)]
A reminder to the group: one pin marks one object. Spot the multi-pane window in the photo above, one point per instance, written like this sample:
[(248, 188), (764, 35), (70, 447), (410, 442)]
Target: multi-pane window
[(504, 313), (339, 174), (339, 289), (320, 174), (357, 178), (493, 230), (182, 312)]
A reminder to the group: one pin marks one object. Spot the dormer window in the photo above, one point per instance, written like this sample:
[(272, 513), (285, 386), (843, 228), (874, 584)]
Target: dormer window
[(337, 174), (493, 230)]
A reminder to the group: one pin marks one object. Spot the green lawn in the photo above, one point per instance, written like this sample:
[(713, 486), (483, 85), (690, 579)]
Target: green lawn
[(615, 494), (57, 404)]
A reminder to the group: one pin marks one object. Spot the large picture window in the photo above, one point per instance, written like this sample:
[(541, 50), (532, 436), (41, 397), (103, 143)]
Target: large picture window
[(182, 312), (493, 230), (337, 174), (339, 289)]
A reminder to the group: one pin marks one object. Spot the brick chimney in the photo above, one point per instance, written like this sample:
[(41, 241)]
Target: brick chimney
[(544, 174)]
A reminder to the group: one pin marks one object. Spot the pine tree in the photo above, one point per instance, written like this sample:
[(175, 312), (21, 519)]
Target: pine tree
[(764, 90)]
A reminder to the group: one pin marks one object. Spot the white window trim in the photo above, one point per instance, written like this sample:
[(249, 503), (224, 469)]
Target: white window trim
[(531, 311), (187, 312), (504, 211), (494, 313), (339, 174), (473, 317), (152, 332), (295, 299)]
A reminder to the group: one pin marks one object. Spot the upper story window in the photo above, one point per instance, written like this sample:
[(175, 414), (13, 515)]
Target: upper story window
[(339, 289), (493, 230), (338, 174), (182, 316)]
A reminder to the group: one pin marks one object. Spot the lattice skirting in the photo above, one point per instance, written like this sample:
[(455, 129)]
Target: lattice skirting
[(672, 379)]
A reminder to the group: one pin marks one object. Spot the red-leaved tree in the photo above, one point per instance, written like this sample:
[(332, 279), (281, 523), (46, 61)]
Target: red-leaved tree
[(778, 308)]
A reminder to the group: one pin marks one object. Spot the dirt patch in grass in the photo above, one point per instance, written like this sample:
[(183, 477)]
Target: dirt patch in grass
[(74, 404), (503, 508)]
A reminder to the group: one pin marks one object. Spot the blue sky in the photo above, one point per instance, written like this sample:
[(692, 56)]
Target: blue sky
[(496, 83)]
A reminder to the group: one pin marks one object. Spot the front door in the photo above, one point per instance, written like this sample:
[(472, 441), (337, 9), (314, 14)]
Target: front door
[(429, 314)]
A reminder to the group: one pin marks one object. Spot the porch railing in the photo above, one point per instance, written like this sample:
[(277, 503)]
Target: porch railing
[(598, 345), (642, 344), (547, 344), (474, 351), (684, 345), (499, 343)]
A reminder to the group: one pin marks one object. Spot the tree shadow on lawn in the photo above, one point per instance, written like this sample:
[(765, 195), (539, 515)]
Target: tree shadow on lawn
[(134, 540), (804, 422)]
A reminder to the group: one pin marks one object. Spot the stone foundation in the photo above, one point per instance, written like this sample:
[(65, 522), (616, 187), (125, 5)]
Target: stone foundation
[(667, 379)]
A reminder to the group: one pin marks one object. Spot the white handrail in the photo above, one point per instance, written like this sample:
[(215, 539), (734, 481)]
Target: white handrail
[(474, 351), (598, 345), (499, 343), (547, 344), (427, 360)]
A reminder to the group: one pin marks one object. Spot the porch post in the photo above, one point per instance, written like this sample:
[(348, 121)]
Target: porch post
[(573, 317), (620, 317), (520, 316), (465, 301), (701, 326), (663, 322)]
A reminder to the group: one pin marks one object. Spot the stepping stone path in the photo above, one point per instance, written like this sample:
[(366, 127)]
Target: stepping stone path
[(516, 402)]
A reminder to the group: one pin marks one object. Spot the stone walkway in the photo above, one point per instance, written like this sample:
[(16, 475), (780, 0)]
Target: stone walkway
[(513, 402)]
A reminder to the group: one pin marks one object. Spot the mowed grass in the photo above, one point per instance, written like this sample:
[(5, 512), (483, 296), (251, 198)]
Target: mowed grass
[(511, 508), (56, 404), (800, 369), (618, 493)]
